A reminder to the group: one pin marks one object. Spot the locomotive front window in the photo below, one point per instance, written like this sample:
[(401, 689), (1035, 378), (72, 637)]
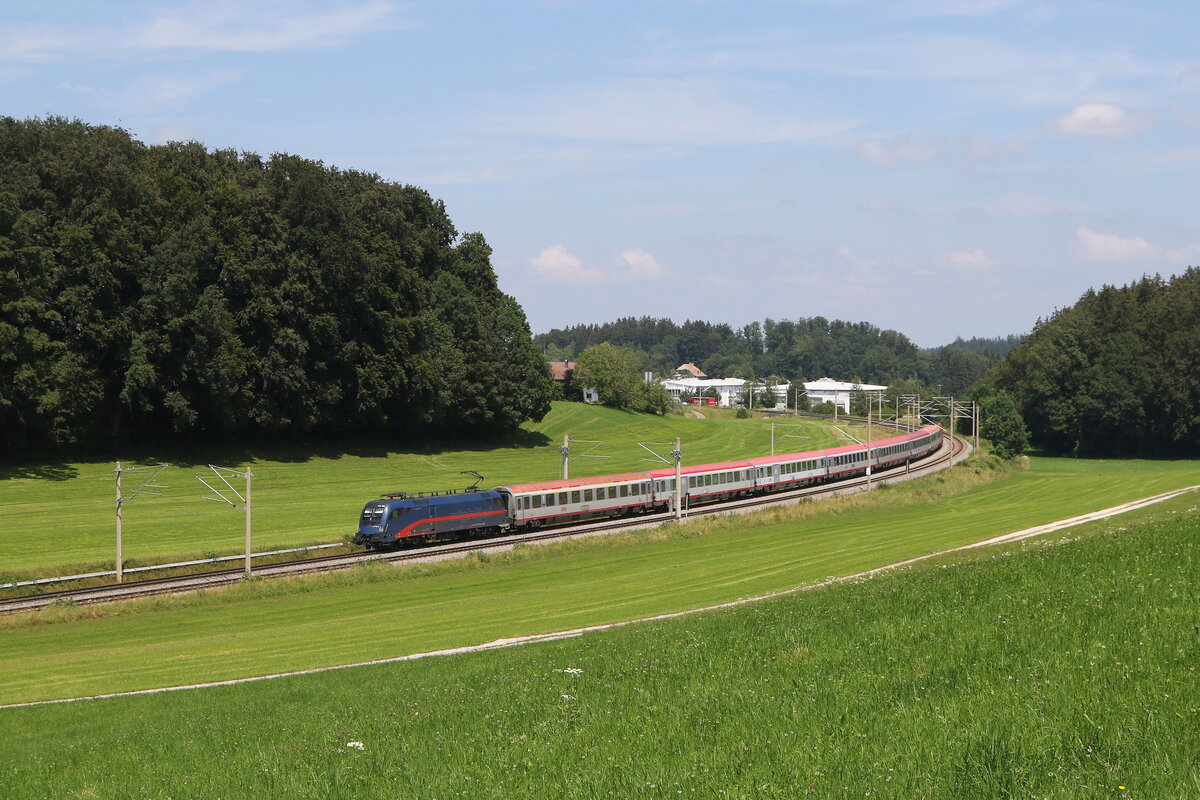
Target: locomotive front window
[(372, 515)]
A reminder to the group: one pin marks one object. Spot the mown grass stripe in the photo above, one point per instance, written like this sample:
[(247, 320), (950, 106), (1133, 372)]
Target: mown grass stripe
[(557, 635)]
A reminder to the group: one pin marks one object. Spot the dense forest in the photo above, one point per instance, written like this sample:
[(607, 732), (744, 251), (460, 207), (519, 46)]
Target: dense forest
[(1118, 373), (808, 348), (153, 291)]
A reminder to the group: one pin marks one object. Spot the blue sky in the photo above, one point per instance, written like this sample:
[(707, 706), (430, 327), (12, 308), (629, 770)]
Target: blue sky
[(941, 167)]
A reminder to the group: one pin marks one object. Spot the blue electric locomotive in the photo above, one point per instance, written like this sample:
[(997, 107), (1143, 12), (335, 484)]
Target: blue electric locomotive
[(396, 518)]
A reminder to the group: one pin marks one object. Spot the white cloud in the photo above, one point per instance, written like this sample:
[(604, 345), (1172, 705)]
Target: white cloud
[(857, 263), (968, 260), (32, 43), (642, 265), (1187, 117), (1097, 246), (957, 8), (879, 206), (254, 28), (557, 264), (980, 147), (1102, 120), (976, 70), (659, 111), (221, 25), (1023, 205), (154, 91), (897, 150)]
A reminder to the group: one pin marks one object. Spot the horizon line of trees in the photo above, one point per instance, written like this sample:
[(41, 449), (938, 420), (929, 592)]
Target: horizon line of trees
[(787, 349)]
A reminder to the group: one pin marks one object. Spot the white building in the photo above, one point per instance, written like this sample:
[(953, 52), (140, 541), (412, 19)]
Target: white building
[(729, 390), (838, 392)]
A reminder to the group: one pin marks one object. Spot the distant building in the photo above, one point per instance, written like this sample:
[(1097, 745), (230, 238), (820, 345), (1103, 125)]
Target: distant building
[(689, 370), (562, 371), (729, 391), (827, 390)]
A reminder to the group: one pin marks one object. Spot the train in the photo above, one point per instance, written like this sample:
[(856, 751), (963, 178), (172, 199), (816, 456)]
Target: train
[(400, 518)]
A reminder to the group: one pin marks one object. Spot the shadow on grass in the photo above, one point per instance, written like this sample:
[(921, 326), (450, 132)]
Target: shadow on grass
[(293, 450), (50, 471)]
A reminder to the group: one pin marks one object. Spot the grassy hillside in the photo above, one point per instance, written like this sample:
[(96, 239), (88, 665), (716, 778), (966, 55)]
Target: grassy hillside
[(1065, 671), (273, 626), (59, 518)]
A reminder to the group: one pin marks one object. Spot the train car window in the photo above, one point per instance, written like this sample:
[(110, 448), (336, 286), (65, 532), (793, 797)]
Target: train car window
[(395, 513), (575, 496), (587, 495), (537, 501), (612, 493), (624, 490), (562, 498)]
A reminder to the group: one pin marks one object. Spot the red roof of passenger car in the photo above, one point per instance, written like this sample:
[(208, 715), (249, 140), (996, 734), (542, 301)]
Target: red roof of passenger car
[(574, 483), (693, 469), (786, 457)]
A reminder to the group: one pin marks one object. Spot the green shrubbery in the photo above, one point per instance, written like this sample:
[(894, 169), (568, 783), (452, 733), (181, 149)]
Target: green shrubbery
[(153, 292)]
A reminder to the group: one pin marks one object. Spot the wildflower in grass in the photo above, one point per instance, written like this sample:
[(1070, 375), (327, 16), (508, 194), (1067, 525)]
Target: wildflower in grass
[(356, 745), (571, 671), (567, 697)]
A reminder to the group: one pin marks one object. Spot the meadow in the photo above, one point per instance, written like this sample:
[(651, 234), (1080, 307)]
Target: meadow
[(58, 518), (1057, 668), (377, 612)]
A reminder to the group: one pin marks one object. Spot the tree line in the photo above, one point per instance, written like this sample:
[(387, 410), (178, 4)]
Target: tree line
[(153, 291), (1118, 373), (808, 348)]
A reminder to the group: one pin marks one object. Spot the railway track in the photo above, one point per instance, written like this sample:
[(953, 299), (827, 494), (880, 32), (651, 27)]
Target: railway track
[(953, 449)]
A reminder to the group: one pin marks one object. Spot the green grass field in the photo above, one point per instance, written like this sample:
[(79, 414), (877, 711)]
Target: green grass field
[(1041, 671), (58, 519), (273, 626)]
